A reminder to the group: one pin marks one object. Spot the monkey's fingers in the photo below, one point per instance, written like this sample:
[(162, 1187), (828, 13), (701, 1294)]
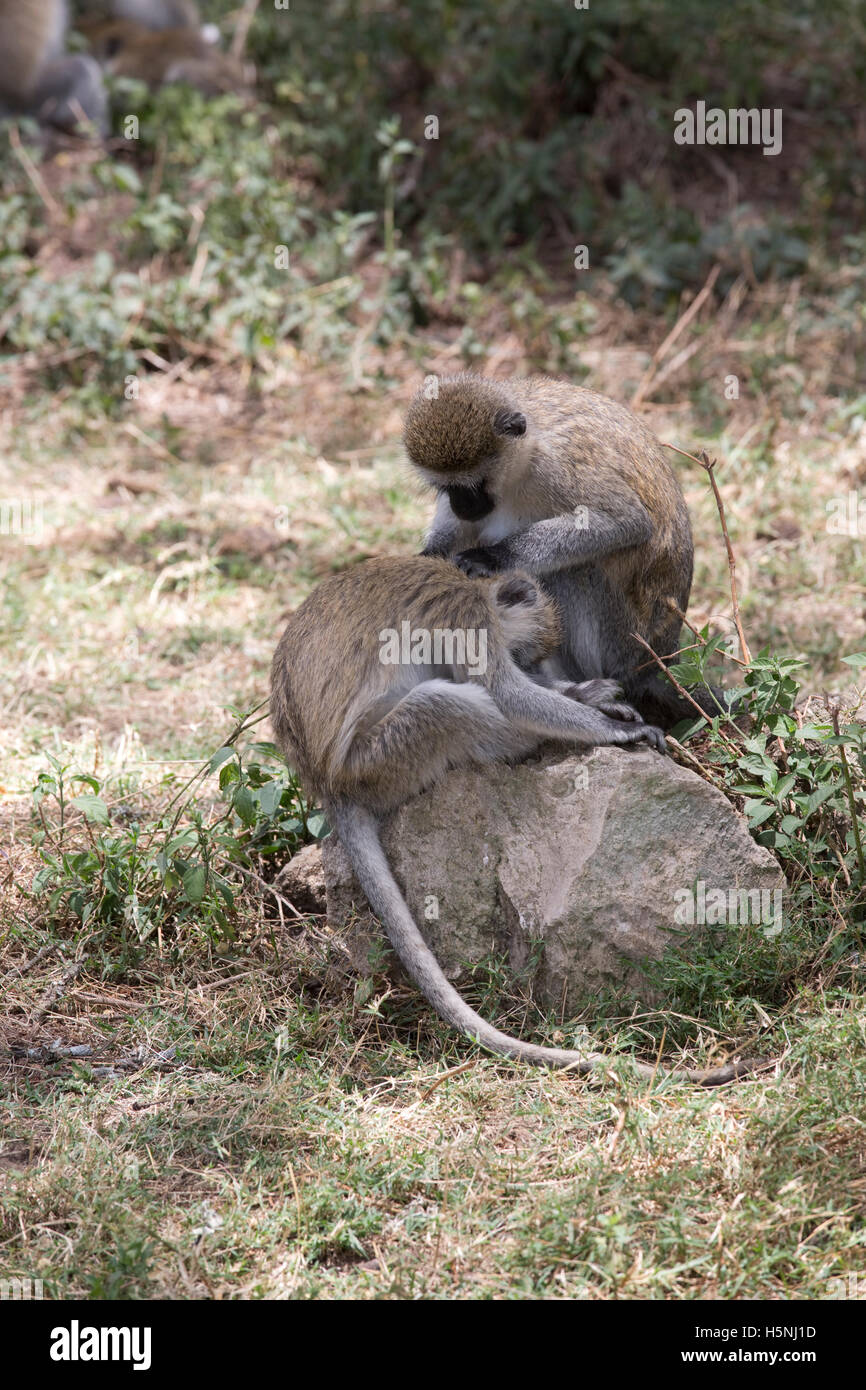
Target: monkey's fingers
[(592, 692), (640, 733), (655, 737), (618, 709), (478, 563), (603, 694)]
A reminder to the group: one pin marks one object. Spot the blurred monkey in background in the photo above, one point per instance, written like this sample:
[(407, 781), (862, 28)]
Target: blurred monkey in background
[(128, 49), (156, 41), (37, 77), (160, 41)]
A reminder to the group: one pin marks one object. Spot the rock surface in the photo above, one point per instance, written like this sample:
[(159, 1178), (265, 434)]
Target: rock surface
[(302, 880), (573, 867)]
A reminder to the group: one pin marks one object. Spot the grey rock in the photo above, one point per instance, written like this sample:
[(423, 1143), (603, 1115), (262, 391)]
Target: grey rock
[(302, 880), (575, 867)]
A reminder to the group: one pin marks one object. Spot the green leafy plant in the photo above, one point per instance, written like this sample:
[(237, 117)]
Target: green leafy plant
[(115, 874)]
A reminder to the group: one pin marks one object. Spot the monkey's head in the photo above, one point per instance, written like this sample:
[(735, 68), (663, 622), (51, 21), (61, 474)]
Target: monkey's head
[(458, 431), (528, 617)]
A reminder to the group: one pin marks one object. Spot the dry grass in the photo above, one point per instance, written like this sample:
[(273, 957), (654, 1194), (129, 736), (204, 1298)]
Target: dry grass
[(252, 1125)]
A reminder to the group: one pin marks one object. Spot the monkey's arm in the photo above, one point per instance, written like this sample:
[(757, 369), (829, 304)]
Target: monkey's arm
[(602, 694), (549, 714), (562, 541)]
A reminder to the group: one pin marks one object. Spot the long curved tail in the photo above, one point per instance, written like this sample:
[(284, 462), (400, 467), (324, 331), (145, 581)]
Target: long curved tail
[(359, 834)]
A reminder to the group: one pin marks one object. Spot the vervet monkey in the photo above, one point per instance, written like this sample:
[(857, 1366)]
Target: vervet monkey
[(365, 735), (563, 482), (37, 78), (157, 14), (158, 56)]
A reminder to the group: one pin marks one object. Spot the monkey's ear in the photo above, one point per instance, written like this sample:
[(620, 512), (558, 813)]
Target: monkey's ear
[(510, 422), (517, 588)]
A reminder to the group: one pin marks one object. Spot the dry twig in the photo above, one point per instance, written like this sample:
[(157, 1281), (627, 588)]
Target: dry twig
[(709, 464)]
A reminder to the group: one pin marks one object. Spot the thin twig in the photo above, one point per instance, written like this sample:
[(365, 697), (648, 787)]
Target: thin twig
[(679, 688), (452, 1071), (695, 763), (682, 322), (709, 464), (675, 608), (40, 955), (33, 174), (245, 19), (262, 883)]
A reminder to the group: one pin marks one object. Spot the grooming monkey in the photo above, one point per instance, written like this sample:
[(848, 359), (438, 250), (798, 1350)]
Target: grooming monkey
[(563, 482), (365, 736), (37, 78)]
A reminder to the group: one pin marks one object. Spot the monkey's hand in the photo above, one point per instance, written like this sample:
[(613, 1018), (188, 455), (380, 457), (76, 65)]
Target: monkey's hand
[(480, 562), (605, 695), (653, 736)]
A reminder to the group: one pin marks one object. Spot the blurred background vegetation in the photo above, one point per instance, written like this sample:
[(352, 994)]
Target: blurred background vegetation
[(555, 129)]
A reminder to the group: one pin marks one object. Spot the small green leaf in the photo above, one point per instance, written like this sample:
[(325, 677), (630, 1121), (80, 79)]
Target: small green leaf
[(185, 840), (195, 882), (820, 796), (759, 811), (269, 797), (244, 805), (317, 824), (221, 756), (93, 808)]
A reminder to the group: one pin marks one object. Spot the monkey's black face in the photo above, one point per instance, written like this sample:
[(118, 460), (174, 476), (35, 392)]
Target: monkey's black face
[(470, 503)]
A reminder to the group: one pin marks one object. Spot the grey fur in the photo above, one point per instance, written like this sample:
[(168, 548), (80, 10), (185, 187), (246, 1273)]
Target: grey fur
[(37, 78), (366, 737), (585, 500)]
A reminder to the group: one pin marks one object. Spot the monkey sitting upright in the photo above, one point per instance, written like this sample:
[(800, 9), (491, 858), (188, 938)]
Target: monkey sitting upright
[(365, 735), (571, 486)]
